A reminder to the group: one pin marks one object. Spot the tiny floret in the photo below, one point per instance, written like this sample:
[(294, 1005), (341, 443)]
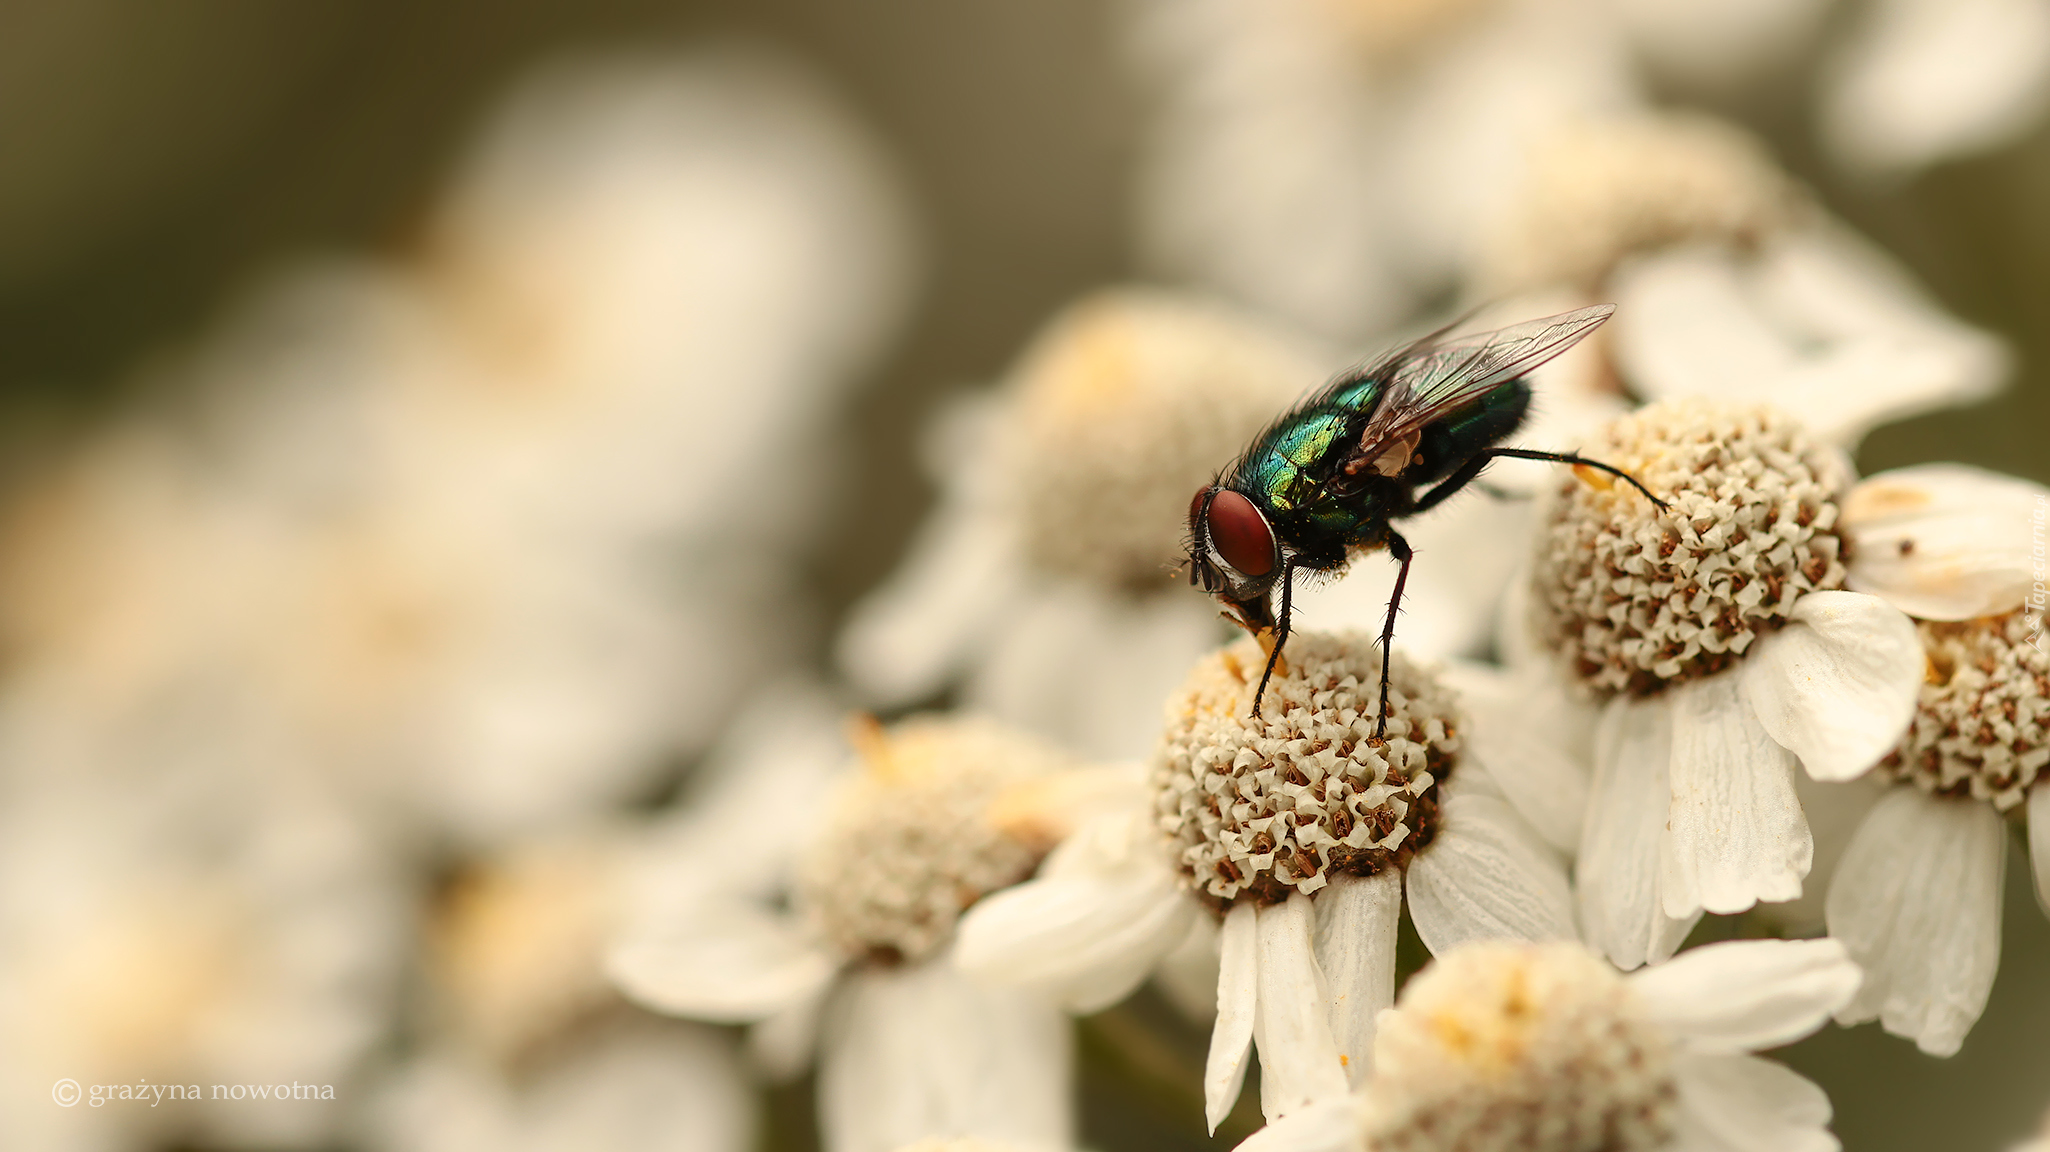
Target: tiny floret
[(916, 838), (1261, 806), (1982, 725), (1507, 1047), (1637, 598)]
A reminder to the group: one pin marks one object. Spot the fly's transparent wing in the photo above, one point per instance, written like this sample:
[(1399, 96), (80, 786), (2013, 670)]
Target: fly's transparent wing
[(1430, 379)]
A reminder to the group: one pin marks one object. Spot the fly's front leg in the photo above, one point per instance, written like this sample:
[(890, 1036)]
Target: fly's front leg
[(1280, 633), (1398, 548)]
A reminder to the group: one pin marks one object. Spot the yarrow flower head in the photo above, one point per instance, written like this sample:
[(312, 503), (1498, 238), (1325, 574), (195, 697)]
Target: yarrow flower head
[(1522, 1047), (1916, 895), (1262, 806), (1719, 634), (938, 813), (1300, 831), (918, 837), (1637, 598)]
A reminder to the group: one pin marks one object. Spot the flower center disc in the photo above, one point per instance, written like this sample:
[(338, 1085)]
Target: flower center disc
[(1982, 727), (1263, 806), (1636, 599)]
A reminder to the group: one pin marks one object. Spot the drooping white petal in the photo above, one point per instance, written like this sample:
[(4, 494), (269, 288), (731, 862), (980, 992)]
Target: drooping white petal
[(1745, 1104), (1918, 81), (1616, 878), (1532, 740), (1292, 1026), (1743, 995), (1734, 832), (1357, 917), (1835, 813), (1942, 541), (921, 1050), (905, 640), (1836, 686), (1329, 1125), (1916, 900), (735, 963), (1084, 940), (2039, 841), (1487, 876), (1187, 975), (1238, 995), (781, 1046)]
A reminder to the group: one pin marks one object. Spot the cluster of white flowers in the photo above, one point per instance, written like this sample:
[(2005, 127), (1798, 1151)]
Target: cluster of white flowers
[(414, 697)]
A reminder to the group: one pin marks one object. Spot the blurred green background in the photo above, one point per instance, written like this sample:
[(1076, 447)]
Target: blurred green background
[(159, 158)]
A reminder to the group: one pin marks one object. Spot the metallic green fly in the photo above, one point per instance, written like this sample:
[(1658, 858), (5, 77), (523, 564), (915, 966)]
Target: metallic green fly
[(1323, 483)]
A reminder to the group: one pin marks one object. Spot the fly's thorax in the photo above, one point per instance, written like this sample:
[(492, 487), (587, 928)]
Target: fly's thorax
[(1128, 402), (922, 831), (1635, 598), (1516, 1047), (1982, 725), (1259, 807)]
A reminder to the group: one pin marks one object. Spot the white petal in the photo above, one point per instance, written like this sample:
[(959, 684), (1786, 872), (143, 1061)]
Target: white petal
[(737, 964), (1238, 995), (1942, 541), (1916, 81), (1357, 918), (1331, 1125), (1084, 941), (1617, 875), (1187, 975), (1917, 902), (1292, 1027), (781, 1046), (1835, 812), (1837, 686), (909, 636), (1745, 1104), (1734, 833), (1487, 876), (2039, 841), (1533, 741), (917, 1051), (1743, 995)]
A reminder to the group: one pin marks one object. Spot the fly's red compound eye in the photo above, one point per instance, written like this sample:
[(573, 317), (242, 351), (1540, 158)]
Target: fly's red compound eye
[(1240, 534)]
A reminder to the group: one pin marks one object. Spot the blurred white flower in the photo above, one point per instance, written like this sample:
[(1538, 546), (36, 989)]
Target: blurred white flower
[(1545, 1048), (1728, 282), (1333, 162), (1916, 896), (1046, 578), (1916, 82), (167, 931), (941, 813), (1717, 632), (1299, 830), (492, 534), (632, 1086)]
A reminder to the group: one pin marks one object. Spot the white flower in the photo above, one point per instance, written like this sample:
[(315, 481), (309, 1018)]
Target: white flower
[(1301, 831), (178, 929), (1917, 894), (1728, 654), (1917, 82), (628, 1086), (1334, 162), (487, 535), (1046, 577), (943, 812), (1545, 1048)]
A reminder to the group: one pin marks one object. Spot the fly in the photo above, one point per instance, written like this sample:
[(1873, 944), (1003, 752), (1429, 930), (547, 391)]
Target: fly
[(1325, 482)]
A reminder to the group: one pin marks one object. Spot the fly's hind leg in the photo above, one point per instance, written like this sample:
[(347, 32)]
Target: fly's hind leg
[(1466, 472)]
